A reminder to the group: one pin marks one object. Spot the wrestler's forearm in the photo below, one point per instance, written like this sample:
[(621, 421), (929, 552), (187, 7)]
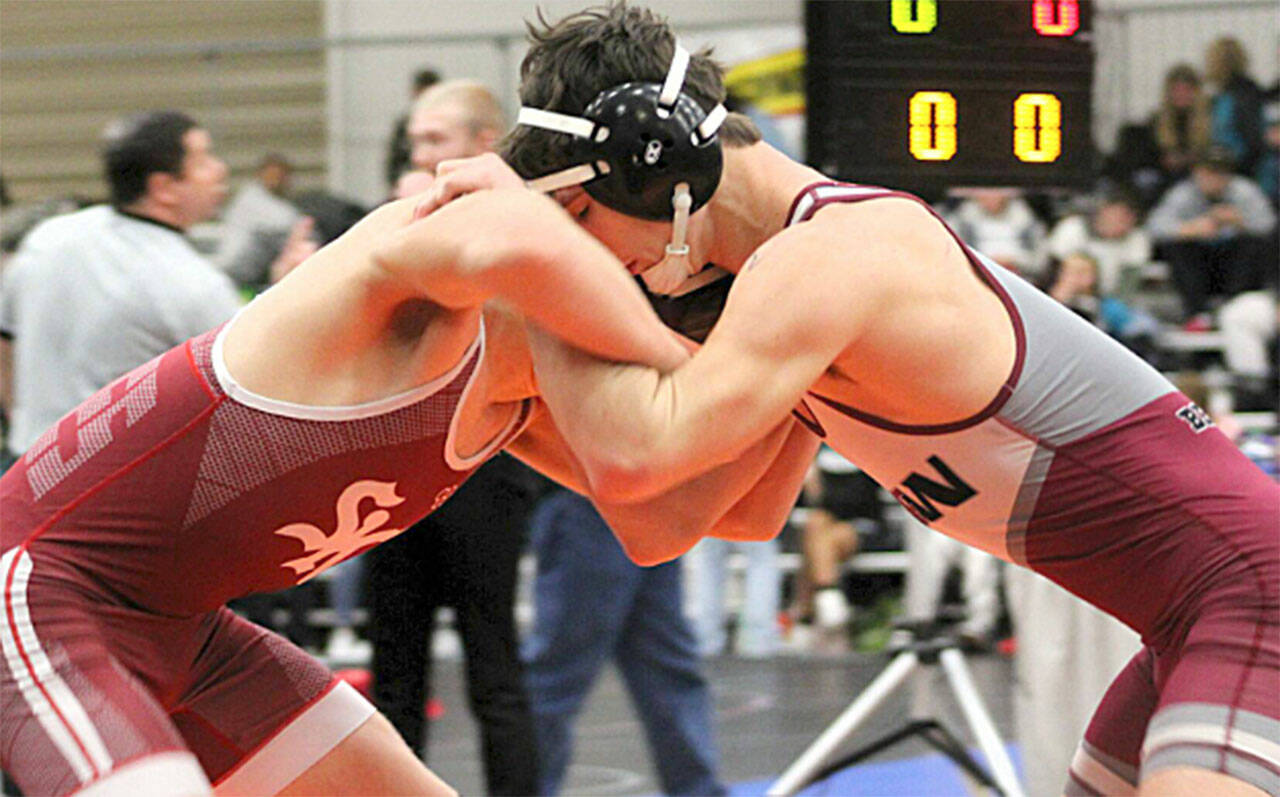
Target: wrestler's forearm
[(636, 431), (664, 526), (522, 248), (764, 510)]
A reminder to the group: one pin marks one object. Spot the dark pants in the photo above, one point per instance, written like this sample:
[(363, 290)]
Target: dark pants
[(594, 605), (1225, 268), (464, 555)]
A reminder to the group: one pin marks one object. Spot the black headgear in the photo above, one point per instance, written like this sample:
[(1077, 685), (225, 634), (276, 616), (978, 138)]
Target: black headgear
[(636, 143)]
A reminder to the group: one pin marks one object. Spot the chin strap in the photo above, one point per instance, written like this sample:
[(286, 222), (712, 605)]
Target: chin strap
[(669, 274)]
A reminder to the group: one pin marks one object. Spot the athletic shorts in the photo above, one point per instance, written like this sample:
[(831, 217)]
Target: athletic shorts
[(1213, 702), (91, 687)]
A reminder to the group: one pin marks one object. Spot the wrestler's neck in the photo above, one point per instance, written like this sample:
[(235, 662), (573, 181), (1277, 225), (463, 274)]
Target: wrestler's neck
[(750, 206)]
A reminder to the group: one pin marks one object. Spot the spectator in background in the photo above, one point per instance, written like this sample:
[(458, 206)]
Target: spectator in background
[(93, 294), (757, 634), (1268, 175), (263, 235), (398, 161), (1248, 324), (1181, 125), (466, 553), (1074, 281), (930, 558), (1213, 230), (1000, 224), (593, 604), (1111, 236), (454, 119), (1236, 108), (843, 504)]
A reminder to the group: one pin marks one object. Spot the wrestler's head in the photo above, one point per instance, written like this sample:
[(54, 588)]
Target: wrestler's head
[(633, 126)]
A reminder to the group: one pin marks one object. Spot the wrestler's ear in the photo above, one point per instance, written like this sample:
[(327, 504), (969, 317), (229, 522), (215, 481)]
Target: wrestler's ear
[(566, 195)]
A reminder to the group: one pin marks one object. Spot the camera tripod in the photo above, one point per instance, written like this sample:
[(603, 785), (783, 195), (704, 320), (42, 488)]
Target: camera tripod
[(929, 647)]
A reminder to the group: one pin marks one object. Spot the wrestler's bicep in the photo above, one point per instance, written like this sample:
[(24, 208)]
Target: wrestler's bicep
[(790, 314)]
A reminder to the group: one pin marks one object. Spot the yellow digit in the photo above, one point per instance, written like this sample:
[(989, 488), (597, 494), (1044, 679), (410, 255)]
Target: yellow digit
[(923, 20), (933, 125), (1037, 128)]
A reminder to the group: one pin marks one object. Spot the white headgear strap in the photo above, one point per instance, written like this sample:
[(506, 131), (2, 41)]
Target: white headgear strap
[(674, 82)]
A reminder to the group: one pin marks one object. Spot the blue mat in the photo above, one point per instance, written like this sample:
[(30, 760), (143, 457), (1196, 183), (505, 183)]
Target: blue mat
[(934, 775)]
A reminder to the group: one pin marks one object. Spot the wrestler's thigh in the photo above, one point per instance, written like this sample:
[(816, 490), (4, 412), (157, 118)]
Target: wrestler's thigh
[(1219, 707), (373, 760), (73, 716), (1107, 759)]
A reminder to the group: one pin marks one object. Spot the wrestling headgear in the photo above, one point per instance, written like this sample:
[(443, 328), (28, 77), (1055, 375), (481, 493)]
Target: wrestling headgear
[(647, 150)]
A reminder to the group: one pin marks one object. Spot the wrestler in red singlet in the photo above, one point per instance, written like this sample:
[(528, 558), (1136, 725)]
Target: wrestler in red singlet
[(129, 525)]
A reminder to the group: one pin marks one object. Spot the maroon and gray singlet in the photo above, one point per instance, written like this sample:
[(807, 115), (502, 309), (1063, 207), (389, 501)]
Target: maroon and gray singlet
[(1091, 469)]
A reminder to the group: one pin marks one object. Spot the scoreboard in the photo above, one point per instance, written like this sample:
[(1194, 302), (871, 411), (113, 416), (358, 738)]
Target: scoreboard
[(930, 94)]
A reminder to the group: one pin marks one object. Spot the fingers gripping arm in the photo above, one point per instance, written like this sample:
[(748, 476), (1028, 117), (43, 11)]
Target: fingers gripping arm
[(521, 247)]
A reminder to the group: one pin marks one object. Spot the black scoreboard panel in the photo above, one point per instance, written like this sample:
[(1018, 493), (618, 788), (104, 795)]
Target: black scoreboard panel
[(928, 94)]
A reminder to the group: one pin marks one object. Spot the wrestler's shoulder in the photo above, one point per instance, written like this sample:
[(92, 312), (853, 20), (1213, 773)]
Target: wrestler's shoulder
[(882, 238)]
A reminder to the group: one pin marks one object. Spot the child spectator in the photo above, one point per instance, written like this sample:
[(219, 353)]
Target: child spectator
[(1110, 236)]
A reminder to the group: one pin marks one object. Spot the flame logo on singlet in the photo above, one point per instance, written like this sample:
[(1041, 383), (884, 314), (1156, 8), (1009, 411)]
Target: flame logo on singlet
[(353, 532)]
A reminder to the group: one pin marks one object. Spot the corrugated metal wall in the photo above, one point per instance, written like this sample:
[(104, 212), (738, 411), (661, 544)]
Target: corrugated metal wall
[(251, 71), (1138, 40)]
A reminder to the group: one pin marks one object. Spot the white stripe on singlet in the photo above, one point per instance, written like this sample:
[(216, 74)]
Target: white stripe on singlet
[(300, 743), (1214, 736), (1097, 775), (158, 775), (52, 703)]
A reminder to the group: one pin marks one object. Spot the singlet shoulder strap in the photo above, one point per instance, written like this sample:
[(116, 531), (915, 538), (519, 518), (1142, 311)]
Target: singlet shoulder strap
[(815, 195)]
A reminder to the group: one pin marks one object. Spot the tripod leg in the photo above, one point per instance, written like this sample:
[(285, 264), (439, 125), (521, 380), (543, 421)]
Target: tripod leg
[(980, 723), (799, 774)]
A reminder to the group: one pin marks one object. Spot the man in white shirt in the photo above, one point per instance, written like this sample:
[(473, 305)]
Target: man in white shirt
[(92, 294)]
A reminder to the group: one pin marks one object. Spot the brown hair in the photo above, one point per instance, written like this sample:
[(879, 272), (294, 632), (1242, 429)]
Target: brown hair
[(480, 109), (1198, 124), (1225, 59), (571, 61)]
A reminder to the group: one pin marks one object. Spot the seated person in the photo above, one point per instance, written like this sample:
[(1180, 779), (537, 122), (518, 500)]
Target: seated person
[(1212, 228)]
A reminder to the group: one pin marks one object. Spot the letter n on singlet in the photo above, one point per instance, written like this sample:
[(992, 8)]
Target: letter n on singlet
[(952, 491)]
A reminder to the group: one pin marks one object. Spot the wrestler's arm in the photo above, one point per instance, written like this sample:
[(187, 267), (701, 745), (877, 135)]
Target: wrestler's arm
[(748, 499), (804, 299), (522, 247)]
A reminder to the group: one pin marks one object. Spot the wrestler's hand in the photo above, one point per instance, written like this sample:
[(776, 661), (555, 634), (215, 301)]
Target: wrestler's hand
[(454, 178), (411, 183)]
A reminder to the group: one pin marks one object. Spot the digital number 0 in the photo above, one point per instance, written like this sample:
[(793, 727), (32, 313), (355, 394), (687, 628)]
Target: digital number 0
[(1037, 128), (933, 125)]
